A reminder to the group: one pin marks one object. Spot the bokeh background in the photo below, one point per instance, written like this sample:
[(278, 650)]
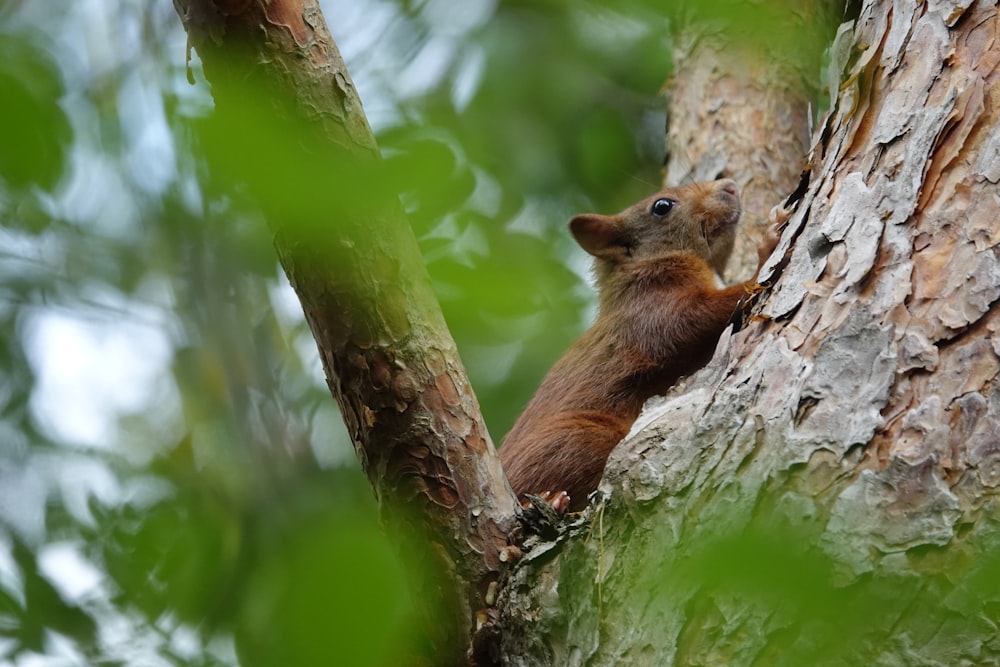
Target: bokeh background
[(176, 487)]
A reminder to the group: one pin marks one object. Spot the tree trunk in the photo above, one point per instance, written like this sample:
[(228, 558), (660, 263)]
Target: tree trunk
[(740, 108), (825, 491), (292, 127)]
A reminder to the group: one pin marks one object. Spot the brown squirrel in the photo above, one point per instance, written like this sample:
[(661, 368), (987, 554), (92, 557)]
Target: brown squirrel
[(661, 315)]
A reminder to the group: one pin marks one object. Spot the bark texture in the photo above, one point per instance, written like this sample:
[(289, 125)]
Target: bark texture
[(740, 109), (859, 411), (297, 134)]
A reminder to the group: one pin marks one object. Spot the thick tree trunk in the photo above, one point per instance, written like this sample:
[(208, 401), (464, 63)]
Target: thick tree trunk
[(739, 107), (294, 130), (825, 491)]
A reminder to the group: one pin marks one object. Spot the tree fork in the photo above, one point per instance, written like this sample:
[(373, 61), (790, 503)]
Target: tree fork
[(294, 130)]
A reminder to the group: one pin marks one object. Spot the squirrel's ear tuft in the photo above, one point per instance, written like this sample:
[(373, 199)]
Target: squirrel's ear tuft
[(600, 235)]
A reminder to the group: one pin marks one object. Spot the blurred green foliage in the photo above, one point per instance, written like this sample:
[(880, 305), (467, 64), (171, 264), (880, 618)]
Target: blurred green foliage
[(796, 604), (175, 486), (33, 129)]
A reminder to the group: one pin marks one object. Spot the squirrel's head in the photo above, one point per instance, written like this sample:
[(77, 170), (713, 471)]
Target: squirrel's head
[(699, 218)]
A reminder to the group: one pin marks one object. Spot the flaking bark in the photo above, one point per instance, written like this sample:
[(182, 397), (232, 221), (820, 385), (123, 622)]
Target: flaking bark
[(858, 411)]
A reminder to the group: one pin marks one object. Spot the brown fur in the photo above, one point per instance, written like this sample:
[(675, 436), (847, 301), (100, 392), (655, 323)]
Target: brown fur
[(660, 318)]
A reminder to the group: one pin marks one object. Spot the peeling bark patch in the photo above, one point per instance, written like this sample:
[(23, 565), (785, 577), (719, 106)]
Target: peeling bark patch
[(446, 388), (950, 11), (924, 433), (661, 469), (983, 230), (445, 496), (960, 125), (446, 418), (854, 219), (405, 388), (968, 414), (954, 287), (984, 442), (895, 27), (988, 164), (289, 14), (902, 507), (379, 371), (804, 267), (916, 351), (856, 361), (906, 100)]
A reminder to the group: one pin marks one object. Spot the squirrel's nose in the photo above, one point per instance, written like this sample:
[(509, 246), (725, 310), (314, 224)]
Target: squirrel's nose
[(729, 185)]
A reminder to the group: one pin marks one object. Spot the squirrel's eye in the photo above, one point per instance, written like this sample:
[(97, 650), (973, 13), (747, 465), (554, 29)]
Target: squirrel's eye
[(662, 206)]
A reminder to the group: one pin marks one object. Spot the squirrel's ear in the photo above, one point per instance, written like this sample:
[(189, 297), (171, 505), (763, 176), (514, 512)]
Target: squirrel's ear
[(599, 235)]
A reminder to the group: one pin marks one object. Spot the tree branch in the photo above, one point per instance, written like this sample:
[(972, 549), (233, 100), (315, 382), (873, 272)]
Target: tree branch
[(289, 123)]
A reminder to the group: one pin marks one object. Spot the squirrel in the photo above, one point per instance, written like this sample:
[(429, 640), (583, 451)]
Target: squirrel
[(660, 316)]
